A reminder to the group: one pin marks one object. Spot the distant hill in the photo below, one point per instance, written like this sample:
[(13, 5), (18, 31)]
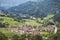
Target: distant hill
[(37, 8)]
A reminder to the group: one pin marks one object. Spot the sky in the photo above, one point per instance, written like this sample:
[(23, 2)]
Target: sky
[(10, 3), (7, 3)]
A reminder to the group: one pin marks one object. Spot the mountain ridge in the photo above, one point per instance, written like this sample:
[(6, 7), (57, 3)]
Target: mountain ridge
[(43, 7)]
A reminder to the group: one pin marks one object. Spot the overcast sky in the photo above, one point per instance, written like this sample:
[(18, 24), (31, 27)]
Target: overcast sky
[(9, 3)]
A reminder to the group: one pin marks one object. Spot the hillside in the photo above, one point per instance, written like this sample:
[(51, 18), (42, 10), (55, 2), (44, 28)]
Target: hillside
[(34, 12), (6, 21), (18, 20), (36, 8)]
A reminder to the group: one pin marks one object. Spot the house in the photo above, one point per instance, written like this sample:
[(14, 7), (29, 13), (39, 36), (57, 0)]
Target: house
[(34, 31), (51, 28), (21, 30), (24, 29), (28, 29), (14, 29)]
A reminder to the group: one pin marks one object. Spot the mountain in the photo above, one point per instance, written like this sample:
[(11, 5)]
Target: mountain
[(35, 12), (22, 7), (57, 17), (37, 8), (30, 8)]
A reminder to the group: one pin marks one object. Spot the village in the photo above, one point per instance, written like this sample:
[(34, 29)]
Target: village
[(29, 30)]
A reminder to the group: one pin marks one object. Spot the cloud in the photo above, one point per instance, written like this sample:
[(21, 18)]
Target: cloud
[(37, 0)]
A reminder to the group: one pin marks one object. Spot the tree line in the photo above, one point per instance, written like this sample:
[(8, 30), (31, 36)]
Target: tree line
[(29, 37)]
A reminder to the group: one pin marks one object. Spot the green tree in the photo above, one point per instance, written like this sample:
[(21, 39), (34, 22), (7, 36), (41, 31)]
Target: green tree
[(35, 37), (58, 25), (22, 37), (3, 36), (55, 36), (15, 37)]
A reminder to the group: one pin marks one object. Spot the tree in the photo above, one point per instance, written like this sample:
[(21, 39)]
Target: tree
[(15, 37), (22, 37), (58, 25), (3, 36), (55, 36), (35, 37), (57, 17)]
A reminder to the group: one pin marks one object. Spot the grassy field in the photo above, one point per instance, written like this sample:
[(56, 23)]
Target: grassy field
[(7, 32), (10, 21)]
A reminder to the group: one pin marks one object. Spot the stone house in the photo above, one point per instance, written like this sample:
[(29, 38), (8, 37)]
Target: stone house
[(50, 28)]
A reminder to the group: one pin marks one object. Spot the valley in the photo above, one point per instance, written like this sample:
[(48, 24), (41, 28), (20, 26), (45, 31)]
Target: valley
[(31, 21)]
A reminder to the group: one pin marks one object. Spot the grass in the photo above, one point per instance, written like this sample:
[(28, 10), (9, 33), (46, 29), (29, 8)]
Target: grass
[(33, 23), (7, 32), (45, 33), (10, 21)]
